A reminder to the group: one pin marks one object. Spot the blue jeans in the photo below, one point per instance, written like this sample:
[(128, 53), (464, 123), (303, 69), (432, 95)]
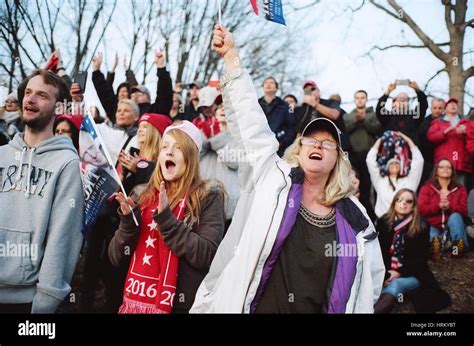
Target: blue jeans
[(456, 228), (401, 286)]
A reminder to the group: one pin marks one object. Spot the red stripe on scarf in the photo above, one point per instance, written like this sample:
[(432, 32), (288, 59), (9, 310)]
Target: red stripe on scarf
[(153, 273), (395, 263)]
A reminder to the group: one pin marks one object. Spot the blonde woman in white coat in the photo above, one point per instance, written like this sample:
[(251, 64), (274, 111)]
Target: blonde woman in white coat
[(281, 203)]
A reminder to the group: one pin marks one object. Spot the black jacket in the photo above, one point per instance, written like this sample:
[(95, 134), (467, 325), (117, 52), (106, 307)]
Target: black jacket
[(164, 95), (429, 298), (404, 122), (190, 113), (281, 122), (105, 92)]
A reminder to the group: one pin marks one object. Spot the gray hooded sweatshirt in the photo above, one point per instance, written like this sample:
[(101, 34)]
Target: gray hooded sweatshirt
[(41, 216)]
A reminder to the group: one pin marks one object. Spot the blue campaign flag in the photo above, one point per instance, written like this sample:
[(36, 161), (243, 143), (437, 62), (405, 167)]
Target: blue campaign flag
[(97, 173), (269, 9), (98, 187)]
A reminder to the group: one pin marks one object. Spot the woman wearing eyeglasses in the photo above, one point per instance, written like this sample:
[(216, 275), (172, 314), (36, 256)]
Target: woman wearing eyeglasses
[(443, 202), (403, 237), (299, 241)]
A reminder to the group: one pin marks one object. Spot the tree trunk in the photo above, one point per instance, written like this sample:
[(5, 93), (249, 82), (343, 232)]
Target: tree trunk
[(456, 85), (454, 67)]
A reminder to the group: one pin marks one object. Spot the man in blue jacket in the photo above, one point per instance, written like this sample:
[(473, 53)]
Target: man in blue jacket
[(281, 122)]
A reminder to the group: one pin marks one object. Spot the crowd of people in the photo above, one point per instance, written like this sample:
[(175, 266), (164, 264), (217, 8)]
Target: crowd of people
[(233, 203)]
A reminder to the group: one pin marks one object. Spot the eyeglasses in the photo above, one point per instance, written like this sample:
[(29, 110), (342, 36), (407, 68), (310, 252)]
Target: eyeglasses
[(407, 201), (330, 145)]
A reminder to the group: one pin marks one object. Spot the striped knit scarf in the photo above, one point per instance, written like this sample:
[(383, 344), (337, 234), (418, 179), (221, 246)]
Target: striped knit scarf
[(396, 249), (153, 273), (393, 146)]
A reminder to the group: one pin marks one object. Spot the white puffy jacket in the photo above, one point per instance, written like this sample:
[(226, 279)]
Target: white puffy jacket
[(235, 273)]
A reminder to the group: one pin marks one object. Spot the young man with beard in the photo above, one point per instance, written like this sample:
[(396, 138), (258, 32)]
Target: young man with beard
[(41, 205)]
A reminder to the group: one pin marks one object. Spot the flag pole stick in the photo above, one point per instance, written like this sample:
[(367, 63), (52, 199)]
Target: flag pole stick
[(220, 11), (109, 159)]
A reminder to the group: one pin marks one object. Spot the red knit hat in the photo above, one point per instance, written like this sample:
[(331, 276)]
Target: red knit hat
[(76, 120), (158, 121)]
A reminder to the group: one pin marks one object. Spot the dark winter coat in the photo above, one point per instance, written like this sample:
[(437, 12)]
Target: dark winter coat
[(406, 122), (429, 298), (281, 122)]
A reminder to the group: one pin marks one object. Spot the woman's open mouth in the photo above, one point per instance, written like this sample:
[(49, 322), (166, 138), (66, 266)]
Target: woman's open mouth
[(170, 165), (315, 156)]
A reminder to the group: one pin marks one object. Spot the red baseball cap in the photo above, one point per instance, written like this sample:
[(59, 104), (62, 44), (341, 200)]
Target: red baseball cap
[(76, 120), (452, 99), (158, 121), (310, 82)]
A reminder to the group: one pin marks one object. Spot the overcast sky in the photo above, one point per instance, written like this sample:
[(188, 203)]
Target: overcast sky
[(339, 45), (337, 41)]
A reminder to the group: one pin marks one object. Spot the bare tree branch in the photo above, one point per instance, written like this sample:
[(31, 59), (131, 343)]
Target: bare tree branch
[(425, 88), (468, 24), (380, 7), (453, 58), (295, 8), (406, 46), (104, 29), (469, 72), (448, 8), (402, 16), (29, 22)]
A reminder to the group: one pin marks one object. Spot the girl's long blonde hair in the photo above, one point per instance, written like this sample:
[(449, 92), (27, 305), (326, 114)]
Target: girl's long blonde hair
[(339, 184), (189, 184), (151, 146)]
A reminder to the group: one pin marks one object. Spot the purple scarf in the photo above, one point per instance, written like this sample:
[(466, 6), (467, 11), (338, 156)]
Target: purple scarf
[(346, 265)]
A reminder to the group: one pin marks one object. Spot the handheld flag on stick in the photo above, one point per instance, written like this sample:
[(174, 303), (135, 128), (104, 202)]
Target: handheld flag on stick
[(271, 10), (220, 11), (100, 178)]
